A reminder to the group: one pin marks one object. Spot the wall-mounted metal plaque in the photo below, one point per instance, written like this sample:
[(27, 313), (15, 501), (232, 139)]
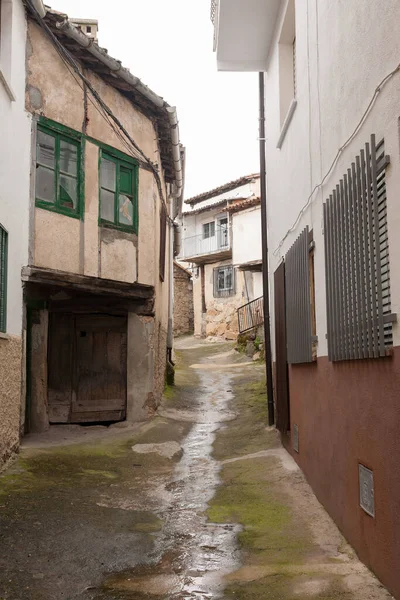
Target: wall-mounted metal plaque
[(367, 500), (295, 438)]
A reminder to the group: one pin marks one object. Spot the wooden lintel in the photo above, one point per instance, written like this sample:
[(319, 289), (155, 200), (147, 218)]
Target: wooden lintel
[(83, 283)]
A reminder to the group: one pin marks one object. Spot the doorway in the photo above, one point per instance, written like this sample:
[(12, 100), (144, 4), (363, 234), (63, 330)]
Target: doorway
[(87, 368)]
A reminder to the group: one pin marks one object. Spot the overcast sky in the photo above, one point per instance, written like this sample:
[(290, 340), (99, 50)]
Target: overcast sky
[(168, 44)]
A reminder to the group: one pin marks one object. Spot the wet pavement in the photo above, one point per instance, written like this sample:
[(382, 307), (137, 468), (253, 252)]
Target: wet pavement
[(200, 502)]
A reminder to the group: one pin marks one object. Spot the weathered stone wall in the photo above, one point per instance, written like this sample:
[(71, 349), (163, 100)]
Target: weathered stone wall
[(10, 396), (160, 364), (183, 302), (221, 318)]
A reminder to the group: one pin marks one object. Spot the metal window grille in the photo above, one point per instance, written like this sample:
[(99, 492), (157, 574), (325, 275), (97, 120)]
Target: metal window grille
[(294, 70), (213, 10), (224, 281), (298, 301), (3, 278), (359, 319)]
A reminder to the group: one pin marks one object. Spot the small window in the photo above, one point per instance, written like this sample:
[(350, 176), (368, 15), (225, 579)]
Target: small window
[(89, 29), (58, 177), (3, 278), (208, 230), (224, 281), (118, 202)]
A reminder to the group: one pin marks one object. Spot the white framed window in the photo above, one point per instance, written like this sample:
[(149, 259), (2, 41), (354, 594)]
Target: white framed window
[(6, 31), (287, 69), (208, 230)]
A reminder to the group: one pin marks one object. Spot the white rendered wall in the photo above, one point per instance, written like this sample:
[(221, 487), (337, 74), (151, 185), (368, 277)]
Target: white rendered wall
[(246, 236), (342, 55), (15, 148)]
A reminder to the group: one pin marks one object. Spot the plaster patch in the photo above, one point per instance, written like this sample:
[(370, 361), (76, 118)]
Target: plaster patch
[(35, 97)]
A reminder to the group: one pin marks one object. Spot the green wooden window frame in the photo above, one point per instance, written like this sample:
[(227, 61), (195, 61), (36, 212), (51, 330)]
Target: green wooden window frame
[(3, 278), (118, 197), (59, 171)]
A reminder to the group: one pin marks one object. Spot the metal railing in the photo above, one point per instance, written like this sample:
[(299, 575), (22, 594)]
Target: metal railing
[(251, 315), (197, 245)]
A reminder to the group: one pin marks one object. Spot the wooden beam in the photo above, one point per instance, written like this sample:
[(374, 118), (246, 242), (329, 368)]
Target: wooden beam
[(83, 283)]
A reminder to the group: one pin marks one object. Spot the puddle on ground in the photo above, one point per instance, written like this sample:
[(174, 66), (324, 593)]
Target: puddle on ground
[(191, 555)]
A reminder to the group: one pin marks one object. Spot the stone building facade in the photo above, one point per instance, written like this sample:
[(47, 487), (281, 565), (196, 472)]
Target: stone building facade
[(183, 301), (222, 242), (97, 222)]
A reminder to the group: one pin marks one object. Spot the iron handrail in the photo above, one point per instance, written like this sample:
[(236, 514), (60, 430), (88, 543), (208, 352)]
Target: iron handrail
[(250, 315)]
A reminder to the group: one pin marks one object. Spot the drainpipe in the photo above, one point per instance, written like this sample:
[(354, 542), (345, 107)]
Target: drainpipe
[(40, 8), (264, 238)]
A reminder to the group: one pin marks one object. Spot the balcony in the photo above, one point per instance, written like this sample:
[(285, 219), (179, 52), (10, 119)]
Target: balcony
[(201, 250), (243, 33)]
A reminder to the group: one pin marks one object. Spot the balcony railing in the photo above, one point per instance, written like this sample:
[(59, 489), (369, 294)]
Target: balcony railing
[(251, 315), (198, 245)]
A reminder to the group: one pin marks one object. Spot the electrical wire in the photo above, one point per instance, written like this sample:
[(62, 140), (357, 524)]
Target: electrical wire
[(103, 109), (338, 154)]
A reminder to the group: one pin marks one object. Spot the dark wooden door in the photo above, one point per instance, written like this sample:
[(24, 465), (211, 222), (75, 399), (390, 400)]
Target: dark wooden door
[(60, 366), (90, 386), (281, 365)]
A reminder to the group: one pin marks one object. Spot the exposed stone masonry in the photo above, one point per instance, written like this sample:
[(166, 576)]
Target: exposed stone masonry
[(183, 301)]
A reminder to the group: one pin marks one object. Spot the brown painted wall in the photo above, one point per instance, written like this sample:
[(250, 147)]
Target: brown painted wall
[(10, 396), (349, 413)]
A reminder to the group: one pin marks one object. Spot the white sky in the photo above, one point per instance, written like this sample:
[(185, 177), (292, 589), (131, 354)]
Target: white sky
[(168, 44)]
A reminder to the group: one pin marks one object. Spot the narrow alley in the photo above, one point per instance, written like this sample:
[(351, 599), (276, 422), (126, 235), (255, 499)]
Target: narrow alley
[(199, 502)]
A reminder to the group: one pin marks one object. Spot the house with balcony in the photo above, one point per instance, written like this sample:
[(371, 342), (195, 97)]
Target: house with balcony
[(105, 187), (333, 171), (221, 241)]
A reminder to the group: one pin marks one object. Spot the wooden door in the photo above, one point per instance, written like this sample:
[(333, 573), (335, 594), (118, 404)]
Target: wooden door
[(281, 365), (60, 366), (89, 385)]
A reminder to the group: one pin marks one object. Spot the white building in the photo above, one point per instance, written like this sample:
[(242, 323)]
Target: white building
[(333, 173), (222, 241), (15, 151)]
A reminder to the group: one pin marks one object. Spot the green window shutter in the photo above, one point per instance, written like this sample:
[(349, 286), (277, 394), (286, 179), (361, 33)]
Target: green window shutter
[(163, 240), (118, 193), (59, 171), (3, 278)]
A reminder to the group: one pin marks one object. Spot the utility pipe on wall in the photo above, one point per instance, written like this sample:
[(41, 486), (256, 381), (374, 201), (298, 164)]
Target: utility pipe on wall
[(39, 7), (264, 243)]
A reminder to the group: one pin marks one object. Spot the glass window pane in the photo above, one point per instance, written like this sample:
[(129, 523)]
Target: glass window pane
[(45, 185), (68, 192), (68, 158), (45, 149), (125, 210), (125, 180), (107, 174), (221, 279), (107, 205)]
